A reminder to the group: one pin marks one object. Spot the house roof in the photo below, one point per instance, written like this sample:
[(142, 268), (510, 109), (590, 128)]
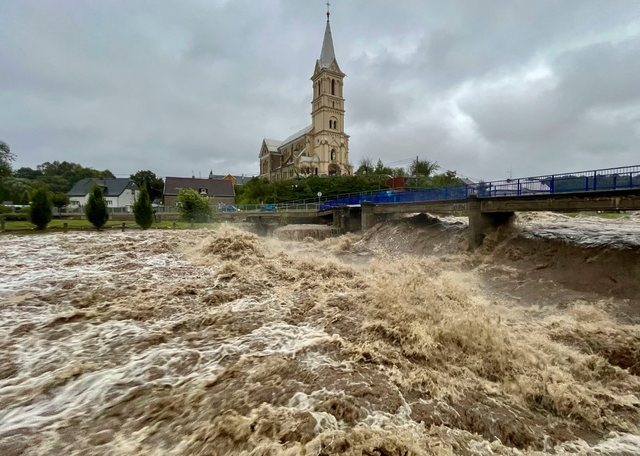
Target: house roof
[(240, 180), (111, 187), (215, 187)]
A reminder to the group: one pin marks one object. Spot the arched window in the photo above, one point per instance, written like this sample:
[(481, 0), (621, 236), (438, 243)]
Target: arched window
[(333, 87)]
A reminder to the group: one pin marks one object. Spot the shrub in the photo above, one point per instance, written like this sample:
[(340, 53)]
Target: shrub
[(60, 200), (41, 213), (142, 210), (193, 207), (22, 216), (96, 208)]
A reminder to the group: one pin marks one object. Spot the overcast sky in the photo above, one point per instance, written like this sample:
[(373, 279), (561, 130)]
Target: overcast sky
[(487, 88)]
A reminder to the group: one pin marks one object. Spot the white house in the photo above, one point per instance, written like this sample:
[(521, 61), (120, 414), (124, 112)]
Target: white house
[(118, 192)]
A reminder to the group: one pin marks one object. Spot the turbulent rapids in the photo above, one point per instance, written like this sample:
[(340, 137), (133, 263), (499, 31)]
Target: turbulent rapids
[(397, 342)]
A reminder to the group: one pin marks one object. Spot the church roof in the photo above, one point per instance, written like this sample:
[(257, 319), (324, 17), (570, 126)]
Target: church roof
[(328, 55), (272, 144), (297, 134)]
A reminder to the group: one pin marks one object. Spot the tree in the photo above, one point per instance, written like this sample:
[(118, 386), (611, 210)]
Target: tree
[(423, 167), (96, 208), (153, 184), (41, 213), (60, 200), (383, 170), (142, 210), (6, 157), (27, 173), (366, 166), (61, 176), (193, 207)]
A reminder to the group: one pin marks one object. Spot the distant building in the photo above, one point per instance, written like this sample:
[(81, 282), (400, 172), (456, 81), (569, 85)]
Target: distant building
[(236, 180), (217, 190), (322, 148), (118, 192)]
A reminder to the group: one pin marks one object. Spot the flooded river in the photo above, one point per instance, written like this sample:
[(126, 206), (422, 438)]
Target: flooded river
[(397, 342)]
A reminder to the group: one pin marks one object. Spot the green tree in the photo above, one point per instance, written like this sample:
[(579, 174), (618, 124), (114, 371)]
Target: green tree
[(193, 207), (27, 173), (153, 184), (60, 200), (423, 167), (40, 213), (15, 189), (142, 210), (6, 158), (61, 176), (96, 208), (366, 166)]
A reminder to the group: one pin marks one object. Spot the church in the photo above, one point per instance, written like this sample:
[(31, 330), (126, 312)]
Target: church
[(322, 148)]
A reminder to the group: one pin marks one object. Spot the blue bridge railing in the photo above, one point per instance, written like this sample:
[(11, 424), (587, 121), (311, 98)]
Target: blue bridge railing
[(622, 178)]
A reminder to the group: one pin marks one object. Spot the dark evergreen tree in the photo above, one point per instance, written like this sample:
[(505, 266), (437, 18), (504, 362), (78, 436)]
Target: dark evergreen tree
[(142, 210), (96, 208), (41, 213)]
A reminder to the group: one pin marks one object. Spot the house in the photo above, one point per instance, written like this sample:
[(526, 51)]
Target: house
[(118, 192), (236, 180), (322, 148), (217, 190)]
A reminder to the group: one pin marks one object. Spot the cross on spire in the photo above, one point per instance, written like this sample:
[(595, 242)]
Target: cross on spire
[(328, 12)]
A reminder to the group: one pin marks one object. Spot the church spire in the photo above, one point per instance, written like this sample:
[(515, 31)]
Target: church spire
[(327, 56)]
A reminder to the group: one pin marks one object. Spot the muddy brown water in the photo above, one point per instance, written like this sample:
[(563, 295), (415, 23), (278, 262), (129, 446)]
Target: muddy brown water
[(398, 342)]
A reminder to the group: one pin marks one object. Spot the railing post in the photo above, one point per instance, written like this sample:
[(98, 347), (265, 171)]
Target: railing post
[(519, 188), (595, 180), (552, 185)]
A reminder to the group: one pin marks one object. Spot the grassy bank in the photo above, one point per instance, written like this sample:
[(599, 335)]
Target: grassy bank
[(83, 225)]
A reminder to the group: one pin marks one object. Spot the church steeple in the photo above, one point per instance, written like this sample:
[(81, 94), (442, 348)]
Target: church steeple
[(330, 142), (327, 56)]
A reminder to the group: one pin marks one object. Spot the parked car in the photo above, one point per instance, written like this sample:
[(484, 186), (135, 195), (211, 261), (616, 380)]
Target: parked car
[(268, 207), (227, 208)]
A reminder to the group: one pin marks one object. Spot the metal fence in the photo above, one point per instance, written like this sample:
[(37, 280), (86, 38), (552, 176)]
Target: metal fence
[(622, 178)]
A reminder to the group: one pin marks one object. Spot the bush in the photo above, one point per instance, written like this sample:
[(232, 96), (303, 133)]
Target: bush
[(142, 210), (193, 207), (96, 208), (41, 213), (22, 216), (60, 200)]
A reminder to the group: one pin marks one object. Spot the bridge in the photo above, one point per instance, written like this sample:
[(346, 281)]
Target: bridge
[(487, 204)]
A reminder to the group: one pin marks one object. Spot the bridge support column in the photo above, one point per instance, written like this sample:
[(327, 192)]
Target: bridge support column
[(482, 223), (368, 218), (347, 219)]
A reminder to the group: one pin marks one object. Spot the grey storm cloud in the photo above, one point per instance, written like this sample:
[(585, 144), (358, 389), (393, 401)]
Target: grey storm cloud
[(484, 87)]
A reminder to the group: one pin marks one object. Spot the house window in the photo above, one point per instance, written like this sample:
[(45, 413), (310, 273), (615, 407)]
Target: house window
[(203, 190), (333, 87)]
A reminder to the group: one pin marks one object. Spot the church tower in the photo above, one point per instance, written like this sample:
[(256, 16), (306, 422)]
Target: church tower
[(330, 143)]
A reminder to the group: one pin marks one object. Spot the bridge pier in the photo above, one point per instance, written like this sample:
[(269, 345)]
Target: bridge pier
[(347, 219), (368, 218), (482, 223)]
